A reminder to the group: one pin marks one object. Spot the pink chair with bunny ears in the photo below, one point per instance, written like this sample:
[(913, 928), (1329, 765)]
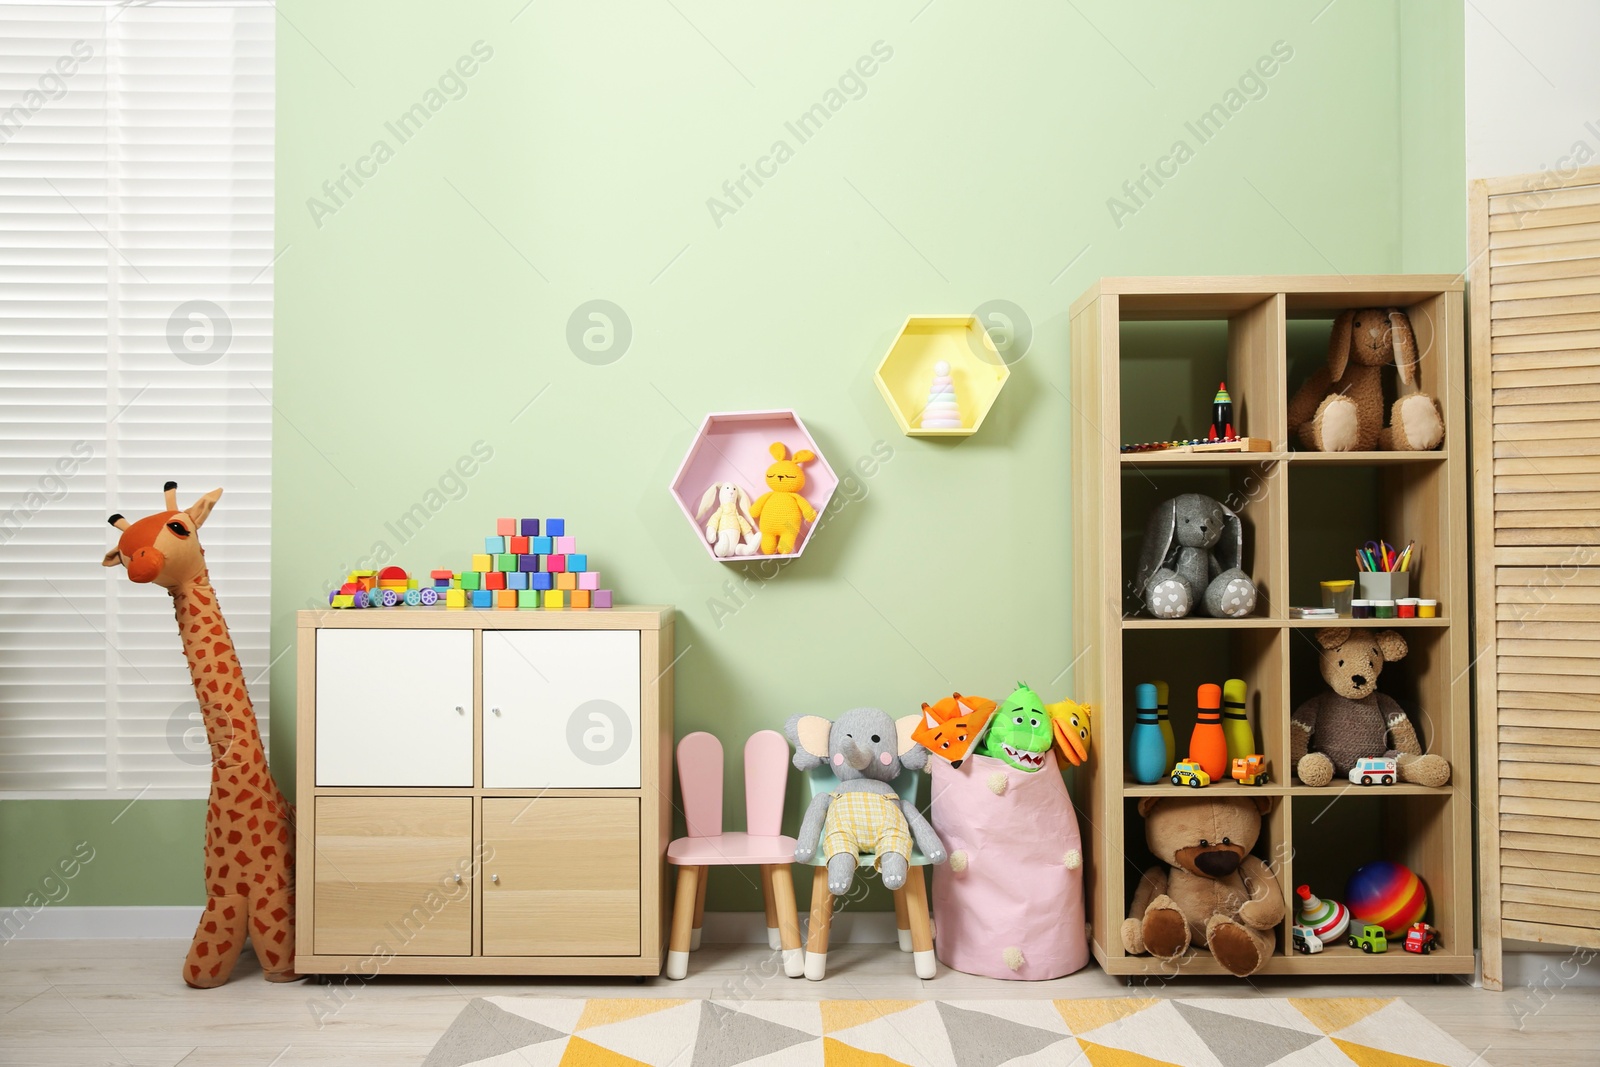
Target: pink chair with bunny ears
[(766, 777)]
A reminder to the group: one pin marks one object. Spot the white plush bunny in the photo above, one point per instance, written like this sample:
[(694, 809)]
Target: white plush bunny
[(731, 531)]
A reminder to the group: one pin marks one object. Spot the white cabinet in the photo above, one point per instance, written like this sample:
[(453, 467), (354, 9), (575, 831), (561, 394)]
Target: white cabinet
[(394, 707), (483, 791), (561, 709)]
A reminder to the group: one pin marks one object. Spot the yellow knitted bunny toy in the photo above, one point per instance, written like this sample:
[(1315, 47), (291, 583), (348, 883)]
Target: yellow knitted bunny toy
[(781, 511)]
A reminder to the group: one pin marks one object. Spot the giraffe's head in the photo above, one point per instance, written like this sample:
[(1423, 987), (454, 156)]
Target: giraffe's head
[(163, 548)]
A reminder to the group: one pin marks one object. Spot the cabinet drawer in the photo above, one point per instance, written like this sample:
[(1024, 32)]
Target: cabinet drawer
[(561, 709), (394, 707), (561, 876), (386, 876)]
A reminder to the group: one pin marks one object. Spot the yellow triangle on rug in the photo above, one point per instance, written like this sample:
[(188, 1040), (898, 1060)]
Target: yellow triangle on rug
[(599, 1012), (1085, 1015), (843, 1014), (1332, 1014)]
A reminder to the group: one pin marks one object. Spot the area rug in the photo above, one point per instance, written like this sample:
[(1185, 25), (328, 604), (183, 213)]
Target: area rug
[(1211, 1032)]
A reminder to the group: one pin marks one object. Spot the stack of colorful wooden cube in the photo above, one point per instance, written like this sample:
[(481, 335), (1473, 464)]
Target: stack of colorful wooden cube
[(528, 564)]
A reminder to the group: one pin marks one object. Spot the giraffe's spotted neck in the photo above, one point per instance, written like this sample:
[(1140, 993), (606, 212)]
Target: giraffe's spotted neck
[(225, 706)]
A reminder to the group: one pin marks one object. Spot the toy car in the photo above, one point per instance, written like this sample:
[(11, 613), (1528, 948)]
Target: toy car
[(1249, 770), (1370, 939), (1421, 939), (1306, 941), (1374, 769), (1191, 774)]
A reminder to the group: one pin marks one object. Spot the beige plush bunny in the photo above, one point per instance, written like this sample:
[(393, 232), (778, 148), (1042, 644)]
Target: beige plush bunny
[(731, 531), (1340, 409)]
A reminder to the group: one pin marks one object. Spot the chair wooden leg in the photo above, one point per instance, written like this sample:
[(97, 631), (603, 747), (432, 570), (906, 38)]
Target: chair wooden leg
[(699, 908), (902, 923), (682, 922), (821, 920), (772, 908), (916, 891), (788, 918)]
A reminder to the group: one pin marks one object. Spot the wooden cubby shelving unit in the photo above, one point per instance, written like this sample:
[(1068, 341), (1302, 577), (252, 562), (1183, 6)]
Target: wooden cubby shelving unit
[(1291, 503)]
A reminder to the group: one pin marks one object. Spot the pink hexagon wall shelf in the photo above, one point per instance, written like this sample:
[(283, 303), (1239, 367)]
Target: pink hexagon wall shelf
[(732, 447)]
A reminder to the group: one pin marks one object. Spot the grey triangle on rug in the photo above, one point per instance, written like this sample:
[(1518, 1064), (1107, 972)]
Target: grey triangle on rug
[(484, 1030), (1255, 1045), (981, 1040), (727, 1037)]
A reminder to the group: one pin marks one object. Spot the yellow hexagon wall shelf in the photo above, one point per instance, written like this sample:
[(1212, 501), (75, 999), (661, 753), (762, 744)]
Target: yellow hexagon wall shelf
[(931, 356)]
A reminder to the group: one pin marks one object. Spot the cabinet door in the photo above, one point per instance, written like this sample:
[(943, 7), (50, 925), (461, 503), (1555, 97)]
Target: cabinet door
[(561, 709), (394, 707), (393, 876), (561, 876)]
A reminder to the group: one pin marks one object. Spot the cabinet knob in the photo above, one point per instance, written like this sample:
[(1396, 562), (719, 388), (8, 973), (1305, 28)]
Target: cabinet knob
[(495, 878), (495, 710), (458, 879), (460, 710)]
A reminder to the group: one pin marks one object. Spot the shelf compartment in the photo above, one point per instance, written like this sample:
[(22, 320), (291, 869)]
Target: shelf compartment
[(1333, 838), (1420, 683), (1169, 367), (1255, 493), (906, 371), (1338, 509), (1185, 660), (732, 447)]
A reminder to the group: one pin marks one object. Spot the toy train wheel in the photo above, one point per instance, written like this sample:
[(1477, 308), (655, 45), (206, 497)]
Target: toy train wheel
[(1388, 779), (1366, 946), (361, 599), (1366, 779), (1176, 780), (1353, 942), (413, 598), (1194, 783), (389, 598), (429, 597)]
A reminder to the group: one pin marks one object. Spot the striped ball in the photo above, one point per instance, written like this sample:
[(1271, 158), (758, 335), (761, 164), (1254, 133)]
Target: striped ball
[(1388, 894)]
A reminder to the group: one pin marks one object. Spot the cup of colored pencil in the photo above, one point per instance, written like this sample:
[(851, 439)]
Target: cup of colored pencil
[(1384, 573)]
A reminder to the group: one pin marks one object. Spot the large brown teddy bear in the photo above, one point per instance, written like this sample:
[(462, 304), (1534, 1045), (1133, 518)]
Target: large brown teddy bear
[(1340, 409), (1331, 731), (1213, 891)]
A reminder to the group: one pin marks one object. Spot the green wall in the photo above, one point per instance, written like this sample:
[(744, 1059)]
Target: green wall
[(421, 311)]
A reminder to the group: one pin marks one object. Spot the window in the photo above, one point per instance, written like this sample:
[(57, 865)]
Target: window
[(136, 251)]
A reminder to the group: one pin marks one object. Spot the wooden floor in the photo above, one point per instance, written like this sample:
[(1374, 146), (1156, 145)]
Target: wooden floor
[(86, 1003)]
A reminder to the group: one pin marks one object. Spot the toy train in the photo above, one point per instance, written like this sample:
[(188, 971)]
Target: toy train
[(387, 588)]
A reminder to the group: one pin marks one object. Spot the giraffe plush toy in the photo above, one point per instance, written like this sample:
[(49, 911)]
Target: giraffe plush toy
[(249, 843)]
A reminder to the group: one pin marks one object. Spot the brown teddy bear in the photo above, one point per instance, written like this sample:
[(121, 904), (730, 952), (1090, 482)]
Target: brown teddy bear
[(1331, 731), (1340, 409), (1213, 891)]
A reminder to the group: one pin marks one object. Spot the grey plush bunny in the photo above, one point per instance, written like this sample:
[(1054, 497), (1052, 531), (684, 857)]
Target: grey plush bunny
[(1193, 552), (866, 751)]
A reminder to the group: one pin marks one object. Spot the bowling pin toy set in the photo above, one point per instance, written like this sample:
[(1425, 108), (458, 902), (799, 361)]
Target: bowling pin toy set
[(1221, 744)]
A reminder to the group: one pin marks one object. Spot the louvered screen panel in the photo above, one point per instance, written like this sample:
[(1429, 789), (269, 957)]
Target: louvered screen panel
[(1535, 343)]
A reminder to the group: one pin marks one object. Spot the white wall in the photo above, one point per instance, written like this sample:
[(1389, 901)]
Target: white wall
[(1533, 85)]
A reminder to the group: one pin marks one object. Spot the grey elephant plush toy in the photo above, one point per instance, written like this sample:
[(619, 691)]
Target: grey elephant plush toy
[(1192, 559), (866, 750)]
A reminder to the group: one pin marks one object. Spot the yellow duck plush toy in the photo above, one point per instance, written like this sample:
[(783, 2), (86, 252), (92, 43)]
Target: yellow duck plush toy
[(781, 511)]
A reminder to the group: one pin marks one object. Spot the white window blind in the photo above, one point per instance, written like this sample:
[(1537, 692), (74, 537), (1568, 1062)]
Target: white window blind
[(136, 251)]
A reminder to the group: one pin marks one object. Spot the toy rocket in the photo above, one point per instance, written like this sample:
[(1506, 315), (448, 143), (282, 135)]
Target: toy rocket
[(1147, 751), (1207, 746), (1236, 720), (1222, 415)]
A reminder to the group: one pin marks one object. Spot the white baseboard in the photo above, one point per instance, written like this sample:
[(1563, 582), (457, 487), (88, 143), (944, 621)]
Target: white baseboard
[(61, 923)]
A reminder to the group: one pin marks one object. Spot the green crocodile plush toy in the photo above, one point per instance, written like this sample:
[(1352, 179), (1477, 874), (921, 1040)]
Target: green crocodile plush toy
[(1021, 731)]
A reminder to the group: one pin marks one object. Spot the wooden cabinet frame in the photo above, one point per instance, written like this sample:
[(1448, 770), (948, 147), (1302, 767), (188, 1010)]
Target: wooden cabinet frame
[(653, 797)]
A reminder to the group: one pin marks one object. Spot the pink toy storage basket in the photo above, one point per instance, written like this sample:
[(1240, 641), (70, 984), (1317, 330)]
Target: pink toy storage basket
[(1015, 910)]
